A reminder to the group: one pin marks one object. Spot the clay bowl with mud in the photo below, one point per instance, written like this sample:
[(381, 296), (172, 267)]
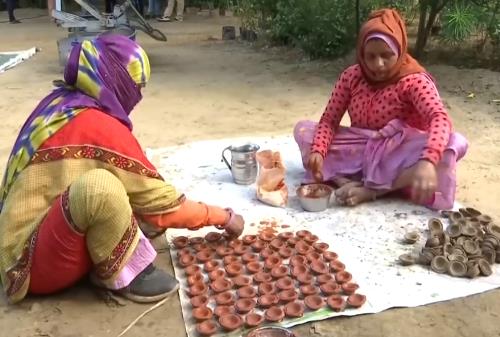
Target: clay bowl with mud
[(285, 252), (242, 281), (262, 277), (244, 305), (224, 251), (253, 319), (202, 313), (298, 260), (314, 256), (314, 302), (241, 250), (321, 247), (225, 298), (266, 288), (230, 322), (195, 278), (294, 310), (272, 261), (201, 246), (199, 301), (192, 269), (222, 310), (356, 300), (279, 271), (285, 236), (266, 236), (292, 242), (267, 252), (234, 269), (228, 259), (249, 239), (349, 288), (311, 239), (259, 245), (336, 302), (285, 283), (204, 256), (247, 292), (211, 265), (215, 274), (268, 300), (309, 289), (330, 288), (221, 285), (336, 266), (206, 328), (198, 289), (186, 260), (274, 314), (299, 269), (330, 256), (254, 267), (213, 237), (183, 251), (343, 276), (305, 278), (286, 296), (180, 242), (196, 240), (302, 233), (319, 267), (314, 197), (276, 244), (235, 243), (249, 257)]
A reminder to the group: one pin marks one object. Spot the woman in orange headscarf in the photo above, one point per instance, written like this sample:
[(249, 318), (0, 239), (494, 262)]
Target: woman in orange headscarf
[(401, 134)]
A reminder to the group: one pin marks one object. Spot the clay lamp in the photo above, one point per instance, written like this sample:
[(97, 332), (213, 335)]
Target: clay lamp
[(234, 269), (356, 300), (266, 288), (244, 305), (336, 266), (195, 278), (200, 246), (196, 240), (308, 289), (274, 314), (343, 276), (206, 328), (279, 271), (225, 298), (305, 278), (240, 250), (321, 247), (294, 310), (213, 237), (285, 252), (313, 256), (247, 292), (286, 296), (319, 267), (235, 243), (311, 239), (272, 262), (336, 302), (298, 259), (224, 251), (285, 283), (249, 257), (285, 236), (276, 244), (299, 270), (230, 259), (198, 289), (202, 313), (349, 288), (303, 233), (180, 242), (258, 246), (324, 278), (215, 274), (192, 269), (268, 300), (253, 319), (220, 285), (204, 255), (292, 242), (183, 251), (186, 260), (249, 239), (266, 236), (303, 248), (199, 301), (222, 310), (230, 322), (330, 256), (262, 277), (254, 267), (266, 252), (242, 281), (330, 288), (211, 265), (314, 302)]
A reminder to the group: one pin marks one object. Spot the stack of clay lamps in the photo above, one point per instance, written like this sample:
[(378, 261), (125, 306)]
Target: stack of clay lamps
[(261, 279), (467, 247)]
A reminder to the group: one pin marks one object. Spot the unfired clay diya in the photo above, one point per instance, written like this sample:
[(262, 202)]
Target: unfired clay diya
[(467, 247), (267, 277)]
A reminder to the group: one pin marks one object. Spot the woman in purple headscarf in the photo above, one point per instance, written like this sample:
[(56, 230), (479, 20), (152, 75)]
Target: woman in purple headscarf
[(78, 192)]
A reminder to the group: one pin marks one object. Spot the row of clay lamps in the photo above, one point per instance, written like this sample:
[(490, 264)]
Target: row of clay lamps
[(248, 282), (468, 246)]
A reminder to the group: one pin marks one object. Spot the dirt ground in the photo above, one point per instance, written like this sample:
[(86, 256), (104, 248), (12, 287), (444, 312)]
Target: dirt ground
[(203, 88)]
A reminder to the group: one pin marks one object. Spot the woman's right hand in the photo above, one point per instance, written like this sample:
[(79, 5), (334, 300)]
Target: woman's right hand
[(315, 164)]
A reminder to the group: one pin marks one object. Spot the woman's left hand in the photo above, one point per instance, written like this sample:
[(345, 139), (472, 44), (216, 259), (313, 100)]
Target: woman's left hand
[(424, 181)]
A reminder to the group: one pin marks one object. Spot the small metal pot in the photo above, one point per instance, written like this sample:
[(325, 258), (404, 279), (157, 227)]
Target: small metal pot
[(314, 197), (271, 332)]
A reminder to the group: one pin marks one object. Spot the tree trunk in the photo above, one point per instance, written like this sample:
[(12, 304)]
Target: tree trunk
[(421, 38)]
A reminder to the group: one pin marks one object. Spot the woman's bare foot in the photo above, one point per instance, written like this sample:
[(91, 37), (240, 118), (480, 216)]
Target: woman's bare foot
[(359, 194), (341, 194)]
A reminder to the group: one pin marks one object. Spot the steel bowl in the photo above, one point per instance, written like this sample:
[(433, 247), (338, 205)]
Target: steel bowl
[(271, 332), (314, 197)]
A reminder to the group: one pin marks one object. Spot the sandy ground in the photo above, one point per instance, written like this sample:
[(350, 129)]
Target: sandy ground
[(203, 88)]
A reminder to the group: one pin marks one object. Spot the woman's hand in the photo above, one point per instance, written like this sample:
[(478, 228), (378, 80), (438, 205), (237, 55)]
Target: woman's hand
[(424, 181), (315, 164), (235, 225)]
